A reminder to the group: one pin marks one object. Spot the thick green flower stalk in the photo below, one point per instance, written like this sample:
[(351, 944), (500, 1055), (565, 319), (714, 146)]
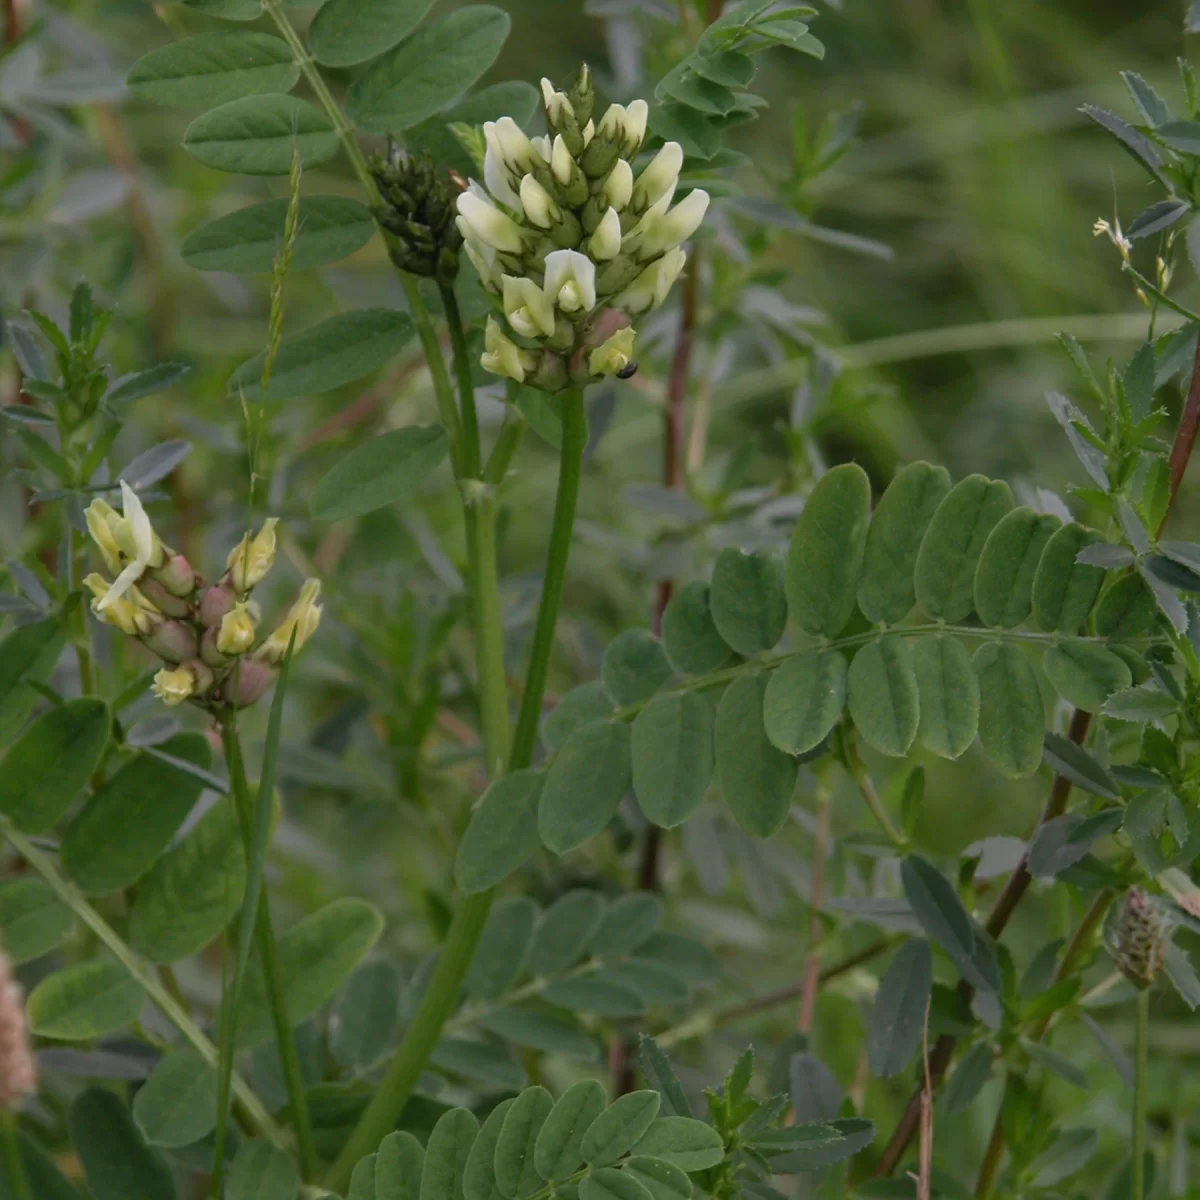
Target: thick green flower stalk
[(570, 242), (205, 636)]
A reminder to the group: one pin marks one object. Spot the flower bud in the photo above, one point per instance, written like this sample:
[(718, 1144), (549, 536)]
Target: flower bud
[(613, 355), (303, 617), (502, 356), (172, 640), (253, 676), (96, 515), (650, 288), (251, 559), (215, 603), (562, 165), (174, 686), (529, 310), (18, 1069), (176, 576), (133, 615), (571, 280), (660, 176), (480, 219), (618, 187), (236, 634), (1137, 939), (416, 213), (605, 243), (509, 156), (557, 105), (581, 94), (209, 654), (658, 232), (539, 207), (161, 599)]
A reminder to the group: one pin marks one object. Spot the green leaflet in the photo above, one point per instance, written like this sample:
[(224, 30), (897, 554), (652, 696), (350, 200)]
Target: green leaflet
[(826, 553), (362, 1180), (363, 1018), (262, 1171), (214, 68), (628, 922), (427, 72), (28, 654), (325, 356), (690, 636), (229, 10), (246, 241), (804, 700), (749, 602), (177, 1105), (398, 1167), (479, 1175), (1063, 589), (949, 695), (503, 831), (557, 1153), (944, 576), (123, 828), (116, 1161), (1127, 609), (347, 32), (584, 785), (604, 997), (580, 706), (672, 746), (1004, 576), (192, 891), (84, 1001), (757, 779), (882, 695), (33, 920), (898, 1018), (663, 1180), (683, 1142), (52, 762), (258, 134), (1012, 719), (516, 1175), (540, 1031), (619, 1128), (1085, 674), (503, 948), (565, 931), (608, 1183), (635, 666), (383, 471), (885, 592), (446, 1155), (46, 1181)]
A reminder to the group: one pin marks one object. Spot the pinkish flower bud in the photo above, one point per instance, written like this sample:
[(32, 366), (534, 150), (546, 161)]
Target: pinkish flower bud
[(18, 1072), (172, 640), (252, 676), (208, 649), (176, 575), (216, 602)]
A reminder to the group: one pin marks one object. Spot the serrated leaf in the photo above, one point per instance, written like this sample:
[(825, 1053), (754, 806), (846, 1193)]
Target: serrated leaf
[(503, 831), (1156, 217), (882, 695), (949, 695), (1150, 104), (1007, 566), (1140, 146), (503, 948), (659, 1073), (446, 1155), (258, 134), (827, 1144), (84, 1001), (177, 1105), (757, 779), (898, 524), (347, 32), (1090, 458), (557, 1152), (692, 641), (672, 746), (584, 785), (684, 1142), (825, 557), (944, 575), (1082, 768), (635, 666), (619, 1128), (804, 699), (1012, 718), (1141, 704), (427, 72), (565, 931), (214, 68), (51, 762), (748, 598), (328, 229), (516, 1173), (326, 356), (116, 1161), (898, 1018), (1085, 674), (33, 920)]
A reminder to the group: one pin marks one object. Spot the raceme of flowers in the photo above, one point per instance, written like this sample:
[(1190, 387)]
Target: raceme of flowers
[(205, 635), (571, 243)]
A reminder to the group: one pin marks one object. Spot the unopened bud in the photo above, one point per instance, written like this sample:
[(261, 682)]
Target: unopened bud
[(251, 677), (172, 640), (215, 603), (537, 203), (582, 95), (176, 576), (251, 559), (605, 243), (1137, 939), (237, 633), (303, 618)]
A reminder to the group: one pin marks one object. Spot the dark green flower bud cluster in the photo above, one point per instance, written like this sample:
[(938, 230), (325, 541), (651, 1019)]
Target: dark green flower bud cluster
[(417, 213)]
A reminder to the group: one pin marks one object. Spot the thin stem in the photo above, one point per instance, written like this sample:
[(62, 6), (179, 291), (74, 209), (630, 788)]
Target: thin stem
[(268, 953), (18, 1182), (1185, 438), (437, 367), (867, 787), (993, 1156), (1141, 1057), (251, 1107), (574, 435), (472, 457)]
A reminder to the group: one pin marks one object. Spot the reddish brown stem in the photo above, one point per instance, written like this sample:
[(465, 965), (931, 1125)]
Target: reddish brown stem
[(1185, 437)]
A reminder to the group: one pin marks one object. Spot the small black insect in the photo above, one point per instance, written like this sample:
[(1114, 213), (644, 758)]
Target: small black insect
[(627, 371)]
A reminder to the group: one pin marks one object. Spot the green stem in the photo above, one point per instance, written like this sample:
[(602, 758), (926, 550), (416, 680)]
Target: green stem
[(471, 453), (456, 953), (437, 368), (574, 436), (867, 787), (268, 954), (18, 1183), (1141, 1055), (505, 448), (251, 1107)]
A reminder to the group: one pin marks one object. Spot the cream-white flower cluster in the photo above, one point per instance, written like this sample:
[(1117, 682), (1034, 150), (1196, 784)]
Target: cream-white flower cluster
[(570, 242)]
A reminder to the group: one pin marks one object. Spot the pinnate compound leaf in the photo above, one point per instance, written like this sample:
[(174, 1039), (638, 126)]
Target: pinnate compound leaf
[(672, 744), (177, 1105), (635, 666), (691, 638), (214, 68), (619, 1128), (584, 785), (52, 762), (804, 699), (757, 779), (347, 32), (429, 70), (247, 241), (117, 1163), (898, 1018), (1085, 674), (944, 575), (1012, 718), (257, 135), (901, 517), (684, 1142), (949, 695), (503, 831), (325, 356), (33, 920), (882, 695), (749, 602), (558, 1150), (84, 1001), (516, 1173), (1065, 589), (1008, 564), (446, 1155), (825, 557), (262, 1171)]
